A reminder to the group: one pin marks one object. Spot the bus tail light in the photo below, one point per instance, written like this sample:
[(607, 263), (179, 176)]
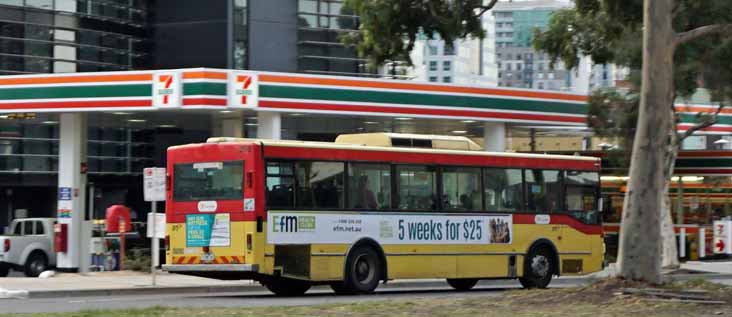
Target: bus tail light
[(6, 245), (167, 242), (249, 180), (249, 241), (205, 249)]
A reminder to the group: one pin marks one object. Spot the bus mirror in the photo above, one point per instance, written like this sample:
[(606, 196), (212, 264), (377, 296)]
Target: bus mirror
[(600, 205)]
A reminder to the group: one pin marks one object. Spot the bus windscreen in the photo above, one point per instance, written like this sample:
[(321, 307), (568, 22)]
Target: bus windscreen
[(208, 181)]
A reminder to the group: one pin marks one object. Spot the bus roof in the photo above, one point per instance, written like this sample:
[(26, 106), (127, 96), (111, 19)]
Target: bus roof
[(340, 146)]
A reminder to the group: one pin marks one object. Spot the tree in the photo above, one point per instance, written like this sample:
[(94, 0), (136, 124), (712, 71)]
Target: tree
[(389, 28), (673, 63)]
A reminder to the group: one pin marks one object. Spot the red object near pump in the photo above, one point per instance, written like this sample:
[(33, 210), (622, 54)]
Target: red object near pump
[(114, 213), (60, 237)]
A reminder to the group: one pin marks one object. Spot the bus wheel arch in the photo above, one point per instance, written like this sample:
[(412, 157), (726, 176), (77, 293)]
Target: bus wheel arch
[(361, 251), (541, 249)]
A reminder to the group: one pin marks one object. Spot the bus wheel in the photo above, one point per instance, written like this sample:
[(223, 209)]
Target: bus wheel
[(286, 286), (363, 270), (537, 269), (462, 284)]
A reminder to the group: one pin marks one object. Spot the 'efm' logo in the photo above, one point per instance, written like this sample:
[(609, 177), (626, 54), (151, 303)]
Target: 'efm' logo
[(293, 224)]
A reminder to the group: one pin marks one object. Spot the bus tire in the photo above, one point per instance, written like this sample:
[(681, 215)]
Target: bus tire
[(286, 287), (363, 270), (462, 284), (538, 268)]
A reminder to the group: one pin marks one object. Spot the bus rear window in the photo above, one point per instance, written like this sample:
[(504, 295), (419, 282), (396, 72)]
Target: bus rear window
[(208, 181)]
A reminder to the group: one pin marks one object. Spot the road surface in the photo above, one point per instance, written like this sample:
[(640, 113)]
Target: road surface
[(256, 297)]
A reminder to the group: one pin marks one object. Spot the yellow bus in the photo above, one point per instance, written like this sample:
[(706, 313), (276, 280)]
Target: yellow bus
[(351, 214)]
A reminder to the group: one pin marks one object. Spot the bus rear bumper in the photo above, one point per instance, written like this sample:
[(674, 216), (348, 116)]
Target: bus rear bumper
[(174, 268)]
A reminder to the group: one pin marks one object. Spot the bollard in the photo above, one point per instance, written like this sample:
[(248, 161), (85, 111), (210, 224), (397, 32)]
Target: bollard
[(702, 243)]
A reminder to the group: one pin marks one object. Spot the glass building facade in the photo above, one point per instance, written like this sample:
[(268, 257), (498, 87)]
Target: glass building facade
[(320, 25), (60, 36)]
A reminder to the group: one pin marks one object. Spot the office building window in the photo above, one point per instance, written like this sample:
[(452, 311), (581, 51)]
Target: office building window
[(432, 49), (447, 79), (446, 65), (433, 79), (433, 65), (449, 50), (240, 34)]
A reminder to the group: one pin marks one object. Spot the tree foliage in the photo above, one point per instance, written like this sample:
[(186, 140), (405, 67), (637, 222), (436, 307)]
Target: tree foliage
[(610, 31), (389, 28)]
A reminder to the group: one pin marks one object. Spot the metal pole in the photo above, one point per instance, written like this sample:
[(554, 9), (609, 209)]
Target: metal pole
[(680, 202), (155, 243)]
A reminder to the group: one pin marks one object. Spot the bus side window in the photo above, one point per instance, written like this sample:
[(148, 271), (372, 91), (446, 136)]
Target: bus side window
[(319, 184), (417, 187), (580, 195), (369, 186), (503, 189), (280, 185), (461, 189), (542, 190)]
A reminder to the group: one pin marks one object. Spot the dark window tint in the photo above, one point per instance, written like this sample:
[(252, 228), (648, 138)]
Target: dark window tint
[(503, 189), (280, 185), (208, 181), (369, 186), (580, 196), (542, 190), (417, 188), (39, 228), (319, 185), (28, 228), (18, 229), (461, 189)]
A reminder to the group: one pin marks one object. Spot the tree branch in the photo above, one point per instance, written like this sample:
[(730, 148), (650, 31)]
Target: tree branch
[(490, 5), (433, 11), (702, 125), (687, 36)]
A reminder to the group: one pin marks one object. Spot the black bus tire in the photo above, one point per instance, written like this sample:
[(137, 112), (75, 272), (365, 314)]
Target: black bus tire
[(363, 270), (462, 284), (538, 268), (286, 287)]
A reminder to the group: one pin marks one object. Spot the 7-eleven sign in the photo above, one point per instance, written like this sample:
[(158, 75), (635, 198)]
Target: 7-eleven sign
[(243, 89), (722, 242), (166, 89)]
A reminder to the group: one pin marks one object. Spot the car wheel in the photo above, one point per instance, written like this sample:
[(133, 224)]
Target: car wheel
[(462, 284), (36, 264), (538, 268), (286, 286), (363, 270), (4, 270)]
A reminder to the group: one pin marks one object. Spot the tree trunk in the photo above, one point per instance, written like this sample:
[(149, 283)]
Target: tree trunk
[(639, 257)]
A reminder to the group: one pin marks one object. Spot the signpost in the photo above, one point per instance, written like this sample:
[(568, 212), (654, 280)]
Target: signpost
[(722, 243), (154, 191)]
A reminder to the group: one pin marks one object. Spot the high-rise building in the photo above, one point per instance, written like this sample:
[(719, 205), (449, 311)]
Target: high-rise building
[(516, 63), (506, 57)]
